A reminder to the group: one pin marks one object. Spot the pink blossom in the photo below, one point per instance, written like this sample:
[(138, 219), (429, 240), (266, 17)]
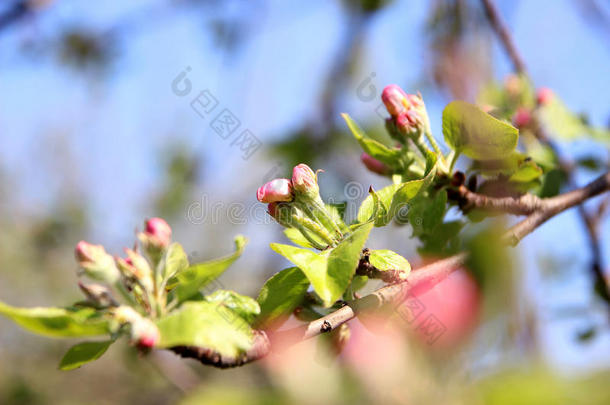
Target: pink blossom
[(395, 99), (275, 191), (374, 165), (304, 180), (158, 231)]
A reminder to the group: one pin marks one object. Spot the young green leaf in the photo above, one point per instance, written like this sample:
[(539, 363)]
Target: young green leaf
[(242, 305), (83, 353), (385, 259), (57, 322), (187, 283), (280, 295), (368, 206), (408, 191), (208, 326), (476, 134), (312, 264), (379, 151), (343, 260), (329, 272), (175, 261)]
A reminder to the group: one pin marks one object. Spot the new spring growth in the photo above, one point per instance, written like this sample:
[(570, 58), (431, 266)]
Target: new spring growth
[(277, 190), (95, 263), (374, 165), (305, 181), (143, 332), (156, 237), (409, 116), (296, 203), (135, 267)]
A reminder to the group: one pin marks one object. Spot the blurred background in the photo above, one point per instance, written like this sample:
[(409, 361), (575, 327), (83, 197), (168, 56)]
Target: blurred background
[(99, 129)]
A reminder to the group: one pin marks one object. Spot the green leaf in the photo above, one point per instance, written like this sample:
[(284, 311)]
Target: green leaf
[(311, 263), (343, 260), (175, 260), (368, 206), (527, 171), (242, 305), (379, 151), (298, 239), (187, 283), (57, 322), (408, 191), (280, 295), (329, 272), (83, 353), (476, 134), (385, 259), (206, 325)]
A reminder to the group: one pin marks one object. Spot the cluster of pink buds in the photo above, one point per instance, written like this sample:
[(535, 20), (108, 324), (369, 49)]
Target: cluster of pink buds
[(138, 280), (156, 237), (407, 110), (95, 263), (296, 203)]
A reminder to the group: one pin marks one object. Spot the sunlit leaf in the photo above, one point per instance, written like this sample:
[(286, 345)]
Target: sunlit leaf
[(206, 325), (57, 322), (175, 260), (331, 271), (385, 259), (187, 283), (280, 295), (389, 156), (242, 305), (476, 134)]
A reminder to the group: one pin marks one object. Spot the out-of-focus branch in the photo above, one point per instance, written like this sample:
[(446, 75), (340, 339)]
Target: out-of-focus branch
[(565, 165), (552, 206), (498, 25)]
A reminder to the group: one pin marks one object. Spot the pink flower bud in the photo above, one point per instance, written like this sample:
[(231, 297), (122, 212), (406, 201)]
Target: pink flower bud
[(544, 96), (159, 232), (136, 267), (409, 122), (95, 262), (86, 252), (304, 180), (522, 117), (374, 165), (145, 334), (275, 191), (395, 99)]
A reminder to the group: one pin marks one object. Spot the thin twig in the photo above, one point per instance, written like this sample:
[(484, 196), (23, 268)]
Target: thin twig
[(501, 30)]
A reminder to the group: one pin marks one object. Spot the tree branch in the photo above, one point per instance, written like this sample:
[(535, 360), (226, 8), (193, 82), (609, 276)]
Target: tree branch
[(498, 25), (522, 205), (555, 205)]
